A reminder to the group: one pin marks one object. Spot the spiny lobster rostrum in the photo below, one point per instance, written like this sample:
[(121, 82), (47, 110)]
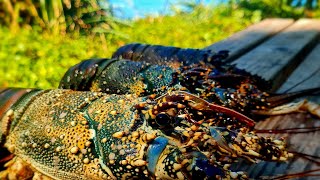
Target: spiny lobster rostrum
[(140, 120)]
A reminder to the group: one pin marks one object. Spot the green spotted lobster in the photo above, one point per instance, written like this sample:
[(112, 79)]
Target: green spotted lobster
[(141, 119), (206, 75)]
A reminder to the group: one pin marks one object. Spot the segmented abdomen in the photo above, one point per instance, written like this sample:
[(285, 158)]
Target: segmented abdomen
[(117, 76)]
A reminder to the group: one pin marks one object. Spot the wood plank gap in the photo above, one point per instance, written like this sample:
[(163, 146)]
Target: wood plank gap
[(241, 42), (277, 57), (306, 76)]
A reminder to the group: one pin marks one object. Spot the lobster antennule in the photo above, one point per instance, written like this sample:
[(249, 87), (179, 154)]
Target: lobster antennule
[(203, 105), (222, 109)]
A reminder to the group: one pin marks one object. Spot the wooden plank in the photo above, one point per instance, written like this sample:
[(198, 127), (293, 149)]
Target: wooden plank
[(276, 58), (306, 76), (243, 41)]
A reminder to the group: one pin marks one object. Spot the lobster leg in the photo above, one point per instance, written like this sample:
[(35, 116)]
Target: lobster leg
[(16, 168), (278, 103)]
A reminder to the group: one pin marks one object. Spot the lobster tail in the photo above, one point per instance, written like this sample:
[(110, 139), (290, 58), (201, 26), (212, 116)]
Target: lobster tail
[(157, 54), (179, 57), (80, 76), (117, 76)]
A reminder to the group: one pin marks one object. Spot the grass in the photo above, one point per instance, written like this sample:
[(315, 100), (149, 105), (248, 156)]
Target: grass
[(35, 59)]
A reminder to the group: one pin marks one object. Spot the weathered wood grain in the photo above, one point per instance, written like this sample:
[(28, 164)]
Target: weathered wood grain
[(306, 76), (243, 41), (277, 57), (283, 52)]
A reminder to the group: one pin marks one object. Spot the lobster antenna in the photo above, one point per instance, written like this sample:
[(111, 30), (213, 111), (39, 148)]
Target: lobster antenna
[(289, 130), (297, 175), (278, 99), (308, 173)]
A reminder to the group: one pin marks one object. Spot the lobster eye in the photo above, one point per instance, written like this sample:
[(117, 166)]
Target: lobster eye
[(163, 120)]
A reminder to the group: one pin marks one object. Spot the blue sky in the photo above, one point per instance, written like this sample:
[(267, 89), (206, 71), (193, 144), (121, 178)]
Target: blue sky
[(140, 8)]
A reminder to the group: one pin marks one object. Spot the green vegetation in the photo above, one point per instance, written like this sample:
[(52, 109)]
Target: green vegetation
[(197, 29), (33, 59), (34, 54), (59, 16)]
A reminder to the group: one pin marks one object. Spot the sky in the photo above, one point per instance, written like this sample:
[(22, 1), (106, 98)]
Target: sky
[(140, 8), (131, 9)]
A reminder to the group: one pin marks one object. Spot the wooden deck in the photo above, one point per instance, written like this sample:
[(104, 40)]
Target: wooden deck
[(287, 53)]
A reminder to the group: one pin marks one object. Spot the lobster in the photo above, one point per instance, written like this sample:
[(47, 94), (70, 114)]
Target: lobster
[(156, 120), (226, 86), (67, 134)]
